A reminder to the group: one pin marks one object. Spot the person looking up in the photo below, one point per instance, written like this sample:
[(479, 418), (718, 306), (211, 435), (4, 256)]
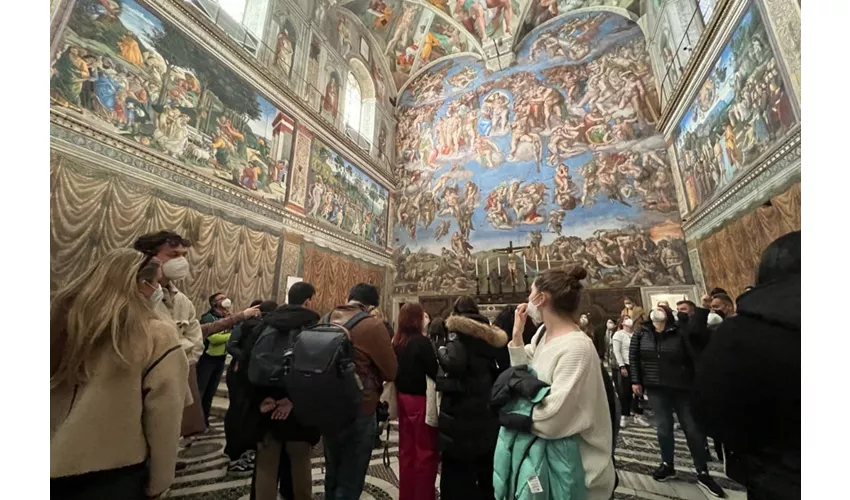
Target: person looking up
[(744, 357), (722, 304), (117, 383), (628, 402), (418, 455), (565, 358), (661, 362), (468, 430), (633, 311), (171, 249)]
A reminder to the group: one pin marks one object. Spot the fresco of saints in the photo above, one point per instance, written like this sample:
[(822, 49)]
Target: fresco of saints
[(284, 51), (70, 71), (129, 48), (331, 100), (472, 14)]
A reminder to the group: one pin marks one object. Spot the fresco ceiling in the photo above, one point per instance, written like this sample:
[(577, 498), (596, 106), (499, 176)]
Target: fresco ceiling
[(414, 34)]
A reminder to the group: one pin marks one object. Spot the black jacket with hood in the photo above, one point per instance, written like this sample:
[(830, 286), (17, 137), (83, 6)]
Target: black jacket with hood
[(287, 320), (667, 360), (472, 358), (747, 389)]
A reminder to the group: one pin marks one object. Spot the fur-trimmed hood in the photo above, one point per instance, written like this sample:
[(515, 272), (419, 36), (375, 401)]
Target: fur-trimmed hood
[(493, 335)]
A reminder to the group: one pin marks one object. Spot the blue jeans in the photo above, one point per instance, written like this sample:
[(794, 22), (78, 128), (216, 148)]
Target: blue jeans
[(347, 456), (664, 403)]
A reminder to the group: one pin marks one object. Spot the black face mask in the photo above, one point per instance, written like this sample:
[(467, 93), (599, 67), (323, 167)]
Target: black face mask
[(720, 313)]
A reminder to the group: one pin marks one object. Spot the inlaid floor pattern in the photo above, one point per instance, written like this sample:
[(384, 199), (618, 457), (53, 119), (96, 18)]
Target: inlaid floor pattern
[(205, 477)]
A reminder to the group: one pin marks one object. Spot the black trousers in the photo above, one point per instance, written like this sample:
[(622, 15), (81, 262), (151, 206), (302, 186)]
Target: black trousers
[(467, 479), (628, 402), (240, 421), (126, 483), (209, 369)]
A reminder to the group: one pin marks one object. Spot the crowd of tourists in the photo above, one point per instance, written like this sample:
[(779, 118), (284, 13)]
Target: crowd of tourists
[(529, 406)]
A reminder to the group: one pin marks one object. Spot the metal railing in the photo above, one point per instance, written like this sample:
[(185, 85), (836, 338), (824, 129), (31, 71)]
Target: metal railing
[(675, 66), (311, 95)]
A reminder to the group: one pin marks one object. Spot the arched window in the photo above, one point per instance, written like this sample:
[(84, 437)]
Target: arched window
[(353, 104), (359, 113)]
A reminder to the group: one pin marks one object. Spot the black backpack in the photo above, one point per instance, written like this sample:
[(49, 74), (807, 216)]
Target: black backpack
[(320, 375), (270, 357)]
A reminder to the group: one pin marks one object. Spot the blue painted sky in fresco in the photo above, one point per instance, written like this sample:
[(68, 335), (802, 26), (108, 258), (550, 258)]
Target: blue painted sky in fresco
[(582, 221)]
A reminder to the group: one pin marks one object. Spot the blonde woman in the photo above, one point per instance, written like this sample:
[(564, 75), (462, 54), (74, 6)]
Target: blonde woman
[(117, 383)]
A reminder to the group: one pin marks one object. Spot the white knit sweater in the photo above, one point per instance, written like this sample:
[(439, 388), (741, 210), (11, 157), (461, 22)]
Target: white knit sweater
[(576, 404)]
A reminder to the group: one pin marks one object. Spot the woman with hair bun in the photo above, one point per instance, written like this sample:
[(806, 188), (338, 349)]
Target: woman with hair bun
[(564, 357)]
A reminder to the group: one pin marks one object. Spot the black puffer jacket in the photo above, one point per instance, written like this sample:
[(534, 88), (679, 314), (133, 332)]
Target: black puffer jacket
[(666, 360), (747, 390), (470, 364)]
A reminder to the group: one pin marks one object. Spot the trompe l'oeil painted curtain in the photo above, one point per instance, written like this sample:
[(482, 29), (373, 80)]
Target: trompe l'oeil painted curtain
[(333, 275), (730, 257), (93, 211)]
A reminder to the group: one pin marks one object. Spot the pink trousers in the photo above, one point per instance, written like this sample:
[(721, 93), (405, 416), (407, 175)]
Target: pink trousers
[(418, 456)]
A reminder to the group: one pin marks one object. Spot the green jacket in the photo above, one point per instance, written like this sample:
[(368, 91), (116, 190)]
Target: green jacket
[(522, 456), (216, 343)]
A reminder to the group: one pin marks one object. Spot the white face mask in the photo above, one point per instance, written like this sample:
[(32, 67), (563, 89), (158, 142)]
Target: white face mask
[(582, 321), (659, 318), (714, 318), (176, 269), (628, 322), (611, 325), (226, 303), (157, 295), (534, 312), (629, 306)]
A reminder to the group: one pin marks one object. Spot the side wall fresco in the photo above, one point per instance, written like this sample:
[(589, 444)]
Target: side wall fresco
[(558, 154), (148, 104), (741, 112)]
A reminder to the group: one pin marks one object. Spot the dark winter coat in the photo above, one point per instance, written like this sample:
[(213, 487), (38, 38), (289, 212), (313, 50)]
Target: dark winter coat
[(747, 390), (666, 360), (470, 364), (287, 320)]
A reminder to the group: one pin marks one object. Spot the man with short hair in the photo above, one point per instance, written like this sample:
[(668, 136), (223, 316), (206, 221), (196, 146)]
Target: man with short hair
[(279, 430), (686, 307), (722, 304), (170, 249), (348, 452)]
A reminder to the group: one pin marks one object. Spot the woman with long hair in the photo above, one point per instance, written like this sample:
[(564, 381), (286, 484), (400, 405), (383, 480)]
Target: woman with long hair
[(117, 383), (564, 357), (417, 441)]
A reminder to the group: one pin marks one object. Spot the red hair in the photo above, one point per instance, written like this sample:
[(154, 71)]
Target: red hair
[(410, 321)]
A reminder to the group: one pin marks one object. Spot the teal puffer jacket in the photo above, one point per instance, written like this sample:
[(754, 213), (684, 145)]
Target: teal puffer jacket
[(521, 456)]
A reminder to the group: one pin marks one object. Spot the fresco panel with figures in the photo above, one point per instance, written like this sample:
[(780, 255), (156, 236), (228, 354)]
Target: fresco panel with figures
[(134, 76), (558, 155), (741, 112), (339, 194)]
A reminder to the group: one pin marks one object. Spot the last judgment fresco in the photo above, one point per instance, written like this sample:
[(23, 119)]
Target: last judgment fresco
[(557, 156), (134, 76)]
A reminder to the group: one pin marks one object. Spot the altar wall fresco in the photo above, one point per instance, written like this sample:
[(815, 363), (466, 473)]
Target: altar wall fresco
[(558, 154)]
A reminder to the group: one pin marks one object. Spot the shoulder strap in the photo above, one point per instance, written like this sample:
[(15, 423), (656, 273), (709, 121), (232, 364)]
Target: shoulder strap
[(357, 318), (540, 336)]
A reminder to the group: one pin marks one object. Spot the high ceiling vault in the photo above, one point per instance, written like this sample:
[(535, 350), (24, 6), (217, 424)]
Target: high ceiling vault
[(415, 34)]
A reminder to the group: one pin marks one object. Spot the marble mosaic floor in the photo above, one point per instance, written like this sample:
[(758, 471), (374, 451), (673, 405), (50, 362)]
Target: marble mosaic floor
[(205, 477)]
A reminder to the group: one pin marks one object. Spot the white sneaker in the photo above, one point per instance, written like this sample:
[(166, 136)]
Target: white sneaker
[(639, 420), (624, 422)]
